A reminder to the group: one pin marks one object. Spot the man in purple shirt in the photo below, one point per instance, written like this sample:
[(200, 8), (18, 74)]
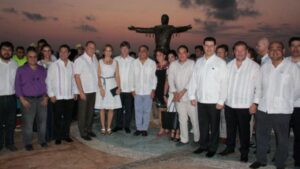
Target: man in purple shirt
[(30, 87)]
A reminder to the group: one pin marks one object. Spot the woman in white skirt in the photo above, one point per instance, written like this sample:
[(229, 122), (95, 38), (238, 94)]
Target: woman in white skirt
[(109, 84)]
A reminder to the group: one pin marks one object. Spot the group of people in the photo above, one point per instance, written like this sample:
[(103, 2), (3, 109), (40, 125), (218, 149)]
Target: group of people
[(203, 88)]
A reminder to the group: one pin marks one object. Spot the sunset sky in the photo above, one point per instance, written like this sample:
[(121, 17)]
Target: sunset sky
[(106, 21)]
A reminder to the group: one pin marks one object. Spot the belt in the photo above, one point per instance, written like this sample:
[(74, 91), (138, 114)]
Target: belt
[(7, 96), (34, 97), (105, 78)]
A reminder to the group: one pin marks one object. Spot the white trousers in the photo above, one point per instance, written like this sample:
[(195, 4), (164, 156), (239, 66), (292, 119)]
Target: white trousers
[(186, 111)]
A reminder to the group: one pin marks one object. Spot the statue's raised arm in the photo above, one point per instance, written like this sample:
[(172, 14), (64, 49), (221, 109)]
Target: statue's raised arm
[(180, 29), (162, 33), (141, 30)]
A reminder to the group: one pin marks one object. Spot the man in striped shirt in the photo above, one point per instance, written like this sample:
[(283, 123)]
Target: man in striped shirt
[(243, 74), (62, 90)]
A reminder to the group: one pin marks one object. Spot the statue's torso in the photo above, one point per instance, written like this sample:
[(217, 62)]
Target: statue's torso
[(163, 35)]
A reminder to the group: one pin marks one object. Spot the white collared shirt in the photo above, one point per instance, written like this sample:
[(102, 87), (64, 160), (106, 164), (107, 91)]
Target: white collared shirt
[(8, 75), (60, 80), (279, 87), (179, 75), (297, 102), (265, 59), (143, 76), (209, 82), (87, 68), (242, 82), (124, 67)]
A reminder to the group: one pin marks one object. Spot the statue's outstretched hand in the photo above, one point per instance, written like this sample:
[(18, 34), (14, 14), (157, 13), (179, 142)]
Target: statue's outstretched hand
[(131, 28)]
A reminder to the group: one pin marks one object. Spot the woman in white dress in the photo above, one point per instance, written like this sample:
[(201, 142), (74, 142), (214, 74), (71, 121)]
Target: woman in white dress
[(109, 84)]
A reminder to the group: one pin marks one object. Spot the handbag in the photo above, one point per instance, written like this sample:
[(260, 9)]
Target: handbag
[(169, 118)]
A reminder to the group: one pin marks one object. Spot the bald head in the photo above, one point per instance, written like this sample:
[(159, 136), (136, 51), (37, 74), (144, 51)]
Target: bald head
[(262, 46)]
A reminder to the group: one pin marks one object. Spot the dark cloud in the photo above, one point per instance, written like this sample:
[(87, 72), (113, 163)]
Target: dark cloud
[(36, 17), (90, 18), (282, 31), (263, 28), (9, 10), (223, 9), (210, 27), (87, 28)]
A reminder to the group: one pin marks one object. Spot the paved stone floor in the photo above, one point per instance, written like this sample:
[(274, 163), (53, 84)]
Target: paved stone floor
[(119, 151)]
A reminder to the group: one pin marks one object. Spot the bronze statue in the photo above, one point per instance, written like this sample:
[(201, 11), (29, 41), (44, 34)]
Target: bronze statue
[(163, 33)]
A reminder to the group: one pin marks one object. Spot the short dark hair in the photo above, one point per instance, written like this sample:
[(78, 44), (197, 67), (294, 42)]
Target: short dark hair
[(211, 39), (20, 48), (7, 44), (292, 39), (173, 52), (161, 51), (46, 46), (31, 49), (65, 46), (199, 47), (90, 42), (277, 42), (183, 47), (240, 43), (144, 46), (223, 46), (42, 41), (125, 44)]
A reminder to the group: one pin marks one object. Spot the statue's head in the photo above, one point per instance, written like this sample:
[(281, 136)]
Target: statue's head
[(164, 19)]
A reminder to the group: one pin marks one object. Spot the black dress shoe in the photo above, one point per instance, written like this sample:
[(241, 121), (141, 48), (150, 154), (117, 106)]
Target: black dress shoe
[(137, 133), (44, 145), (29, 147), (199, 150), (244, 158), (226, 151), (12, 147), (57, 142), (87, 138), (144, 133), (210, 154), (116, 129), (256, 164), (68, 139), (92, 134), (127, 130)]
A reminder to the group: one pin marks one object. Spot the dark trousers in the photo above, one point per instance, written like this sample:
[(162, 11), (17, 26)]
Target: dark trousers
[(296, 130), (209, 123), (62, 118), (8, 111), (86, 114), (238, 119), (35, 111), (124, 115), (264, 123)]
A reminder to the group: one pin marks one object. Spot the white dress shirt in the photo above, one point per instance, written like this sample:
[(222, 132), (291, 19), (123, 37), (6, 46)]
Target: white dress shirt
[(297, 102), (60, 80), (279, 87), (179, 75), (242, 83), (209, 82), (143, 76), (124, 67), (8, 75), (87, 68)]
